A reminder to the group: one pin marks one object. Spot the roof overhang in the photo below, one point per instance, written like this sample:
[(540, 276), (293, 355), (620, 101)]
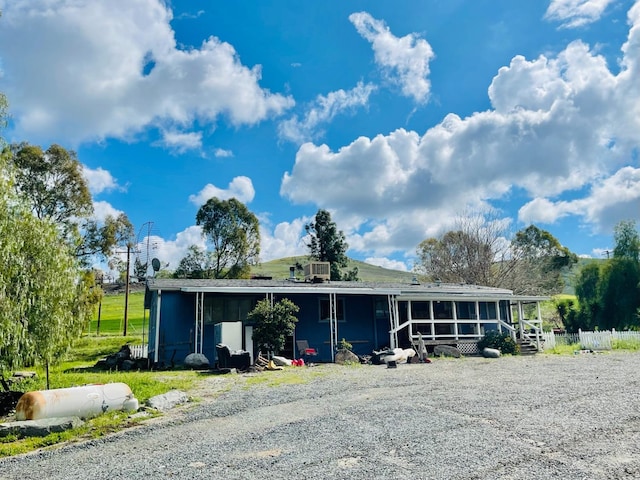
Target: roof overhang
[(293, 290)]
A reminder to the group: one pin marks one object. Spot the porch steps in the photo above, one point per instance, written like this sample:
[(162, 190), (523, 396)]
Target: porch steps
[(527, 348)]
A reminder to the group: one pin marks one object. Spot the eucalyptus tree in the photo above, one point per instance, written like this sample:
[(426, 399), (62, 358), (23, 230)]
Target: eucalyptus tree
[(328, 244), (233, 233), (53, 184), (197, 263)]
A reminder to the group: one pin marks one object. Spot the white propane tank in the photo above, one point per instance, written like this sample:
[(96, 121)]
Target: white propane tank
[(84, 402)]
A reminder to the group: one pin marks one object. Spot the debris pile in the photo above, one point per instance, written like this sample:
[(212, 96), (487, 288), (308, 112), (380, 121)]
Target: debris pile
[(122, 360)]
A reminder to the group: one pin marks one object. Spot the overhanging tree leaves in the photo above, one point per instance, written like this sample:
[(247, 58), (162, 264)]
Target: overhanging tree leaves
[(233, 232), (328, 244), (273, 323)]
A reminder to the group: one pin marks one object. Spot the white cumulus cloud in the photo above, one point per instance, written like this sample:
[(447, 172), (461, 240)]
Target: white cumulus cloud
[(576, 13), (322, 111), (99, 180), (557, 125), (240, 188), (83, 70), (405, 60)]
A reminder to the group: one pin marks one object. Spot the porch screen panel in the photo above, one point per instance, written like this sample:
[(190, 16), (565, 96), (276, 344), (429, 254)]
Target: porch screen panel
[(420, 310), (443, 310), (487, 310)]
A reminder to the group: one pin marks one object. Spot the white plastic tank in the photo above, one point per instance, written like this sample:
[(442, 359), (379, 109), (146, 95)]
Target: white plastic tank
[(84, 402)]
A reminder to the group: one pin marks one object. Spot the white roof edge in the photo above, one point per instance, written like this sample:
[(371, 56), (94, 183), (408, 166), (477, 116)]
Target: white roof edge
[(530, 298), (327, 290)]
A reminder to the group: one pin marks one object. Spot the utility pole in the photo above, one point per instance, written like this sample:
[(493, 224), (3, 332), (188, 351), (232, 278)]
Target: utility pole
[(126, 291)]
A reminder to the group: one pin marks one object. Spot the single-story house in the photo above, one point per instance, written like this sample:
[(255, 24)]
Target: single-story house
[(193, 316)]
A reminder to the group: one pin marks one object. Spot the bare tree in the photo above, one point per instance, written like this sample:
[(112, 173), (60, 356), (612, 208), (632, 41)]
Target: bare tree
[(481, 251)]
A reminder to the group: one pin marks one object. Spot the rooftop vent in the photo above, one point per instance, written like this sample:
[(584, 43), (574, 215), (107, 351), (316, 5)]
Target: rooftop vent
[(317, 272)]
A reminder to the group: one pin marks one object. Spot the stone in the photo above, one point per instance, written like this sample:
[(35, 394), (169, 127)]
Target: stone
[(39, 428), (168, 400), (446, 351), (346, 356), (196, 361), (490, 352)]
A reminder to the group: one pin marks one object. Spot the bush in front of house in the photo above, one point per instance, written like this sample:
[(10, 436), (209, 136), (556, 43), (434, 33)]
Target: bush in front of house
[(499, 341)]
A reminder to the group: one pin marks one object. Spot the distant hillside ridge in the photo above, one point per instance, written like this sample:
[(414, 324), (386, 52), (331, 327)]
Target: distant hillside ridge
[(279, 269)]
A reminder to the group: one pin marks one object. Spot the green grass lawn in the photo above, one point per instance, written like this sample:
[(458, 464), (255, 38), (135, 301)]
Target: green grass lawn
[(111, 313)]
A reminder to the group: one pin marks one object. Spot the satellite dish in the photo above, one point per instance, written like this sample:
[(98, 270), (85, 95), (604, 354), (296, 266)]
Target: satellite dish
[(155, 264)]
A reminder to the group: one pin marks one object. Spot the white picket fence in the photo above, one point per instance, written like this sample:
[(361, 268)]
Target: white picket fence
[(601, 340), (139, 351)]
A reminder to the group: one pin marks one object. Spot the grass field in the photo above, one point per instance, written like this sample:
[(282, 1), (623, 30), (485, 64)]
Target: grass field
[(111, 312)]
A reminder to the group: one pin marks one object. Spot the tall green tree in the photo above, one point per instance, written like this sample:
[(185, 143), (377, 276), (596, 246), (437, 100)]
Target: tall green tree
[(542, 258), (609, 295), (53, 185), (43, 300), (587, 286), (233, 233), (620, 290), (328, 244), (273, 323), (627, 239), (197, 263)]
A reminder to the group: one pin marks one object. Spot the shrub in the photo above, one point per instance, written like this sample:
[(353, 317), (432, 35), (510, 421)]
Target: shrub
[(499, 341)]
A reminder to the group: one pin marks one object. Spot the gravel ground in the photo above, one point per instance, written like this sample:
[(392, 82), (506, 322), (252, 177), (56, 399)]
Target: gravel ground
[(562, 417)]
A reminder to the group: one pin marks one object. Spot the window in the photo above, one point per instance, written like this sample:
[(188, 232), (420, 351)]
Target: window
[(487, 310), (442, 309), (466, 310), (324, 310), (381, 306), (226, 309), (420, 310)]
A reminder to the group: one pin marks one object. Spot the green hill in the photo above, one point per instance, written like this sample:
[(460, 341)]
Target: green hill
[(279, 269)]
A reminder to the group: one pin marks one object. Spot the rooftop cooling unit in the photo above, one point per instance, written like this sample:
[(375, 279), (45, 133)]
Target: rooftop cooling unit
[(317, 272)]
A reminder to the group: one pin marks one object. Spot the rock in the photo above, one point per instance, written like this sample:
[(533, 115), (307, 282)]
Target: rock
[(490, 352), (196, 361), (446, 351), (39, 428), (346, 356), (168, 400)]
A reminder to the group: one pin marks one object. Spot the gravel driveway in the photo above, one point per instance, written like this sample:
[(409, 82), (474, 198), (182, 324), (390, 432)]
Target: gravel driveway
[(561, 417)]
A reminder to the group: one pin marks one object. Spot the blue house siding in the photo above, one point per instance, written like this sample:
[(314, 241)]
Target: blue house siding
[(358, 327), (362, 311), (177, 319)]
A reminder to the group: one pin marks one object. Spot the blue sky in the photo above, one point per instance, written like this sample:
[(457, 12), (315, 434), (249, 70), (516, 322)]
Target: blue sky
[(397, 117)]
